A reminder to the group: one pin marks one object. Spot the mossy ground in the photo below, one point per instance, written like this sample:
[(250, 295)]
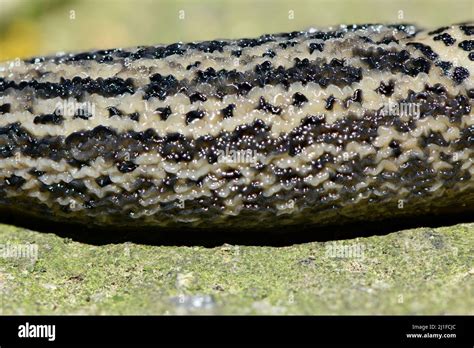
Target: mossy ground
[(420, 271), (417, 271)]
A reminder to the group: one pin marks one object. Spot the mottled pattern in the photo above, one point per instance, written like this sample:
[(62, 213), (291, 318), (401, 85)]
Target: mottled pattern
[(352, 123)]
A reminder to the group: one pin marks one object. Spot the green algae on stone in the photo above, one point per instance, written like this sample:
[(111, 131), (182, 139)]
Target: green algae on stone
[(417, 271)]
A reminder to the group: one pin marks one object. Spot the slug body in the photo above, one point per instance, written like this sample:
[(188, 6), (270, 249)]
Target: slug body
[(353, 123)]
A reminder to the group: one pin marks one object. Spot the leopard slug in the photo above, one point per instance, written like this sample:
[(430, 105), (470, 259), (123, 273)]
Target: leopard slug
[(324, 126)]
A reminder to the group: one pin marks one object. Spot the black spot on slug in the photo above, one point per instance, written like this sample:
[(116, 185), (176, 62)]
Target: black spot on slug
[(446, 38), (467, 45), (49, 119), (432, 138), (330, 102), (445, 66), (103, 180), (197, 97), (126, 166), (161, 86), (15, 181), (460, 74), (164, 112), (5, 108), (269, 53), (392, 60), (36, 173), (395, 146), (75, 88), (386, 89), (438, 88), (418, 65), (355, 98), (425, 49), (267, 107), (208, 46), (134, 116), (314, 46), (467, 29), (228, 111), (194, 115), (194, 65), (113, 111), (90, 204), (299, 99), (64, 189), (236, 53), (244, 88), (387, 40)]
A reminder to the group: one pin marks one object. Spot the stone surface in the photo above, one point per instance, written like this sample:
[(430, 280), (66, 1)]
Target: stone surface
[(417, 271)]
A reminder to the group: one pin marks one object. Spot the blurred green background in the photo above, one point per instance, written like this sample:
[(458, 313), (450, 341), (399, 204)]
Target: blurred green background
[(37, 27)]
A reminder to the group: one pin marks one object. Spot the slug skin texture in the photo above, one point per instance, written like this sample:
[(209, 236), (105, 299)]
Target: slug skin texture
[(325, 127)]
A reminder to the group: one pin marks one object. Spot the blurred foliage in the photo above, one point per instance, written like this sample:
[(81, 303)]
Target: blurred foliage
[(37, 27)]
